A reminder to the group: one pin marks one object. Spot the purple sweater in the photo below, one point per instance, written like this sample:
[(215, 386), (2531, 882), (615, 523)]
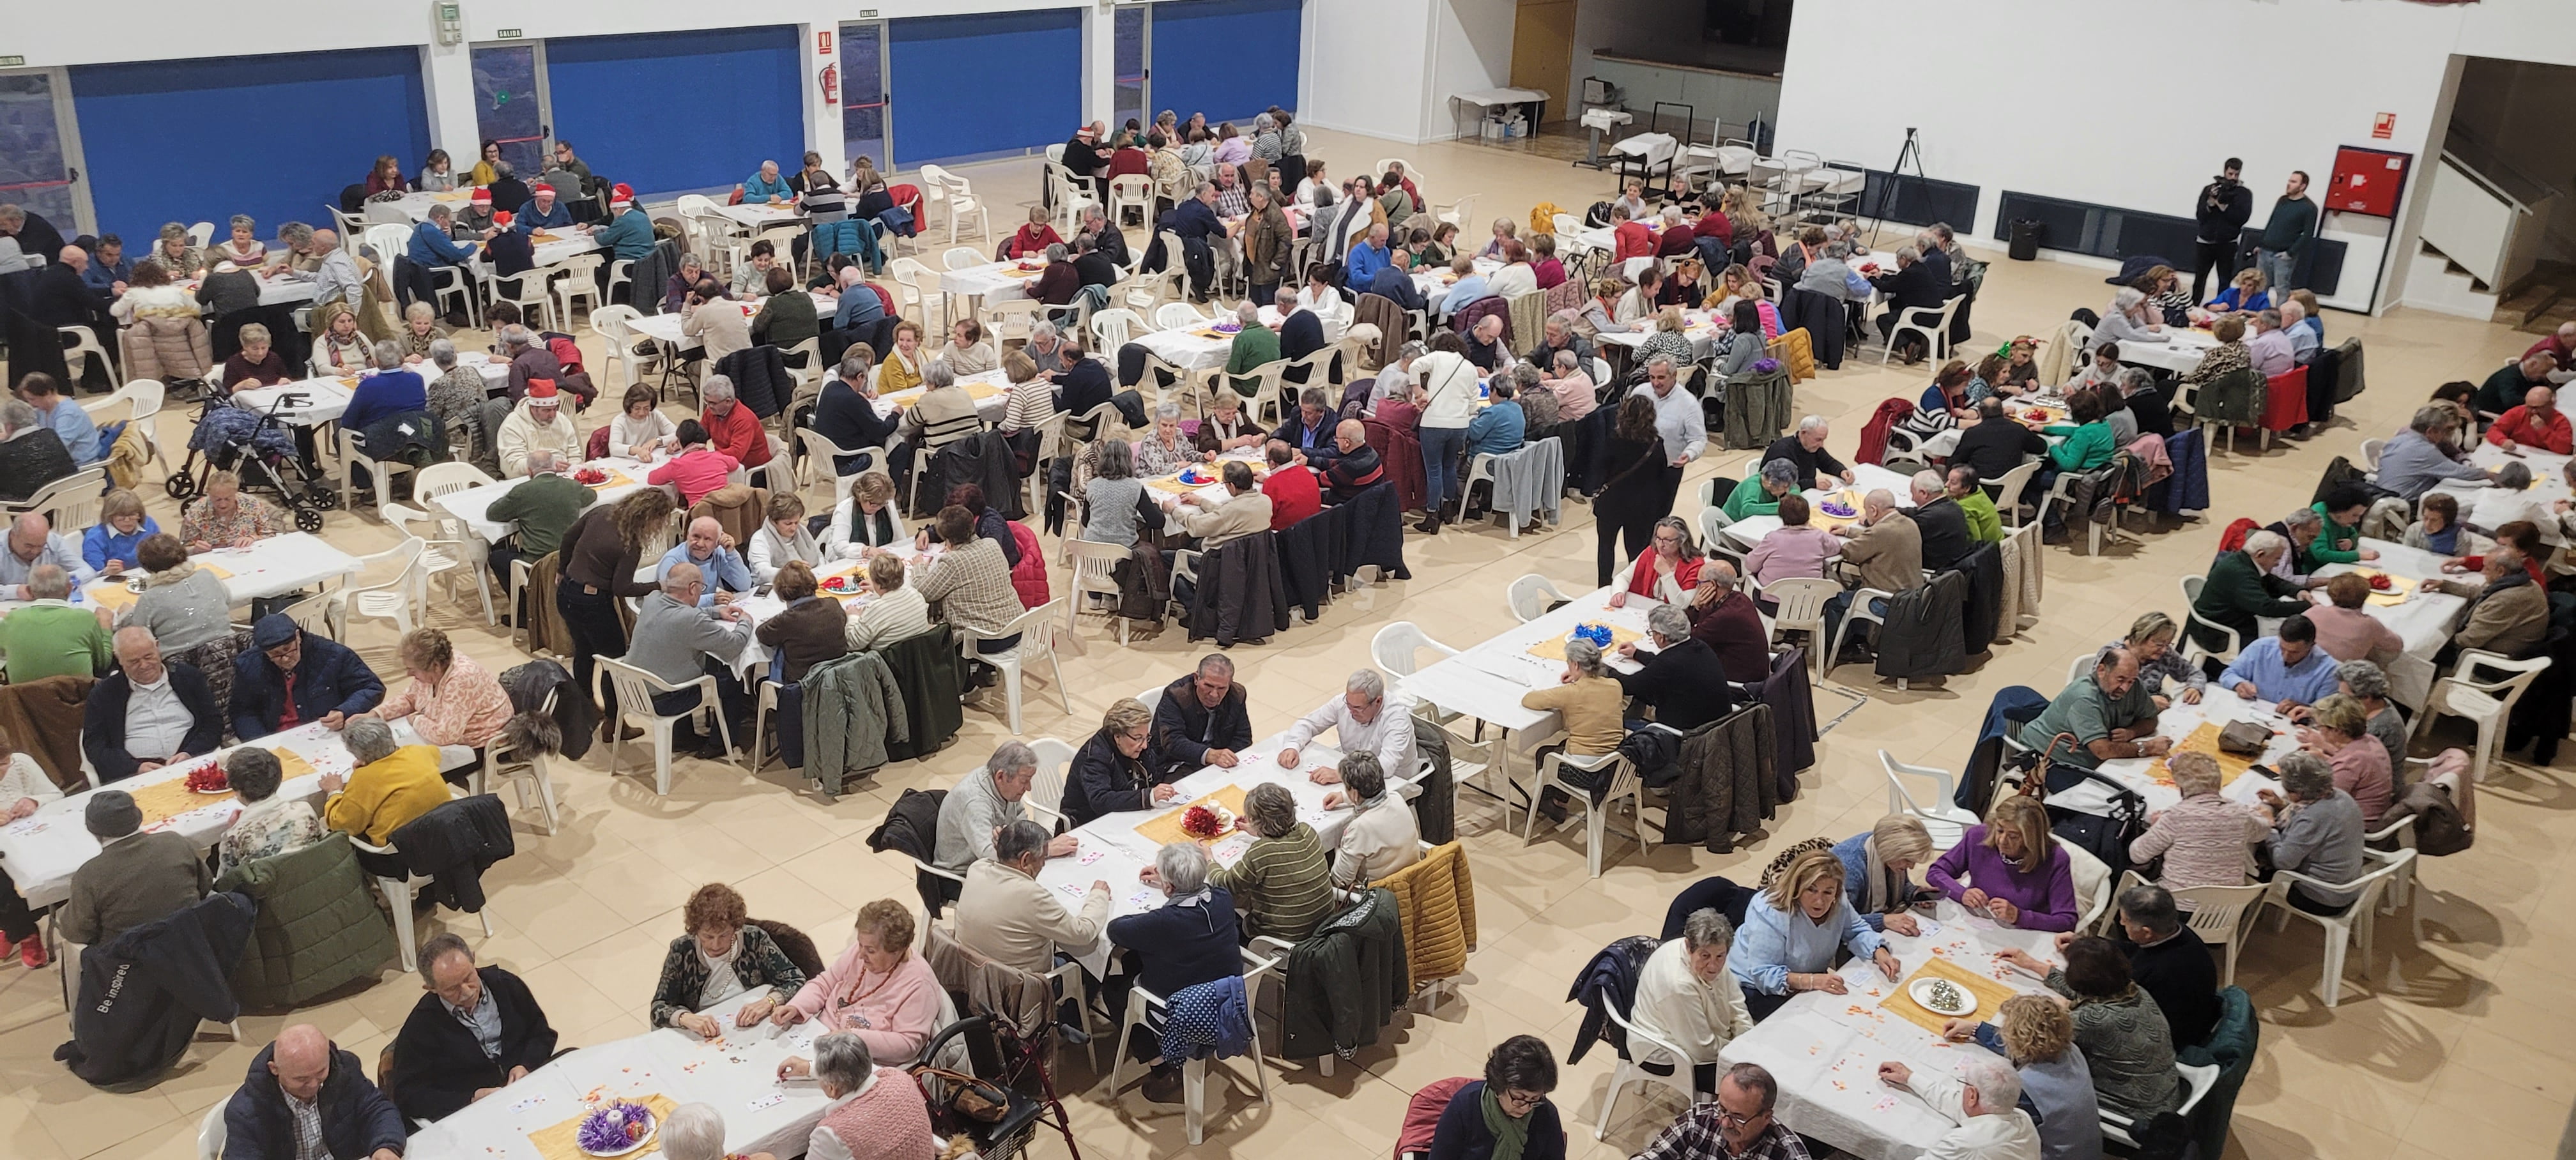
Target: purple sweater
[(2046, 897)]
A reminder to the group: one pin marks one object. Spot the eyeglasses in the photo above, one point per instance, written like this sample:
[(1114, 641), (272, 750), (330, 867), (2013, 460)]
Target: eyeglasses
[(1735, 1119), (1522, 1100)]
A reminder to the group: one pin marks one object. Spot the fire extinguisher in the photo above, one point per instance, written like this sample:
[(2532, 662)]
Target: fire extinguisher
[(831, 81)]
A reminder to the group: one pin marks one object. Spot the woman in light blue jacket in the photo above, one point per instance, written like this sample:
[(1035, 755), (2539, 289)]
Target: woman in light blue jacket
[(1790, 932)]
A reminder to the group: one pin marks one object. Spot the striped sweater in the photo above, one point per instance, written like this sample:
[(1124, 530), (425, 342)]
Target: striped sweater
[(1282, 885)]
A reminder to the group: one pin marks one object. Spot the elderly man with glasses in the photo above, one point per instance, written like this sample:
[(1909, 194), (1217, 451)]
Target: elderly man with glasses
[(1737, 1125), (294, 678), (475, 1031)]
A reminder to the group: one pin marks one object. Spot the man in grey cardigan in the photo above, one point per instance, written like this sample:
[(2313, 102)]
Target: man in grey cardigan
[(679, 642), (985, 801), (134, 879), (2318, 833)]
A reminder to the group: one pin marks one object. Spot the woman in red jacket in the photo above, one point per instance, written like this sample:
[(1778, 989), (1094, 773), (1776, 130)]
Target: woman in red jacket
[(1669, 570), (1033, 238)]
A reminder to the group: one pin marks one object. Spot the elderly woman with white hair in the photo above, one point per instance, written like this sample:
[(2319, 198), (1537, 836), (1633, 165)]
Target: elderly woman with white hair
[(1687, 997), (872, 1116), (2151, 639), (2242, 588), (2129, 320), (455, 394), (420, 328), (1587, 698), (1875, 866), (697, 1132), (880, 989), (2368, 683), (1382, 836), (1191, 938), (1281, 884), (1165, 450)]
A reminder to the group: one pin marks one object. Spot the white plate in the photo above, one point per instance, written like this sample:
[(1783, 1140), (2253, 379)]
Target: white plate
[(630, 1149), (1921, 991)]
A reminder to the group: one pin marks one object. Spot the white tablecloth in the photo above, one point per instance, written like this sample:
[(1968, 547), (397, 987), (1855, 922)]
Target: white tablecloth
[(2181, 353), (752, 663), (666, 327), (278, 565), (44, 848), (473, 505), (1192, 351), (1486, 681), (992, 281), (758, 216), (1866, 477), (2423, 621), (738, 1074), (1825, 1049), (324, 400), (283, 290), (1112, 851), (2177, 722)]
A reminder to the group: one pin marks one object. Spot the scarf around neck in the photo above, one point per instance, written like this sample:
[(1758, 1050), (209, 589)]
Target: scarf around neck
[(1510, 1135)]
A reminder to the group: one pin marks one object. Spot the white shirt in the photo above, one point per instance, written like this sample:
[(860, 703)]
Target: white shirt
[(1390, 737), (1327, 303), (155, 720), (2010, 1136), (1449, 382), (1679, 419), (1674, 1005)]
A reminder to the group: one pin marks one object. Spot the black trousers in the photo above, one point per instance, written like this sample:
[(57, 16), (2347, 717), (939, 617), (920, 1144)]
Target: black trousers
[(591, 617), (1634, 529), (17, 920), (2208, 256)]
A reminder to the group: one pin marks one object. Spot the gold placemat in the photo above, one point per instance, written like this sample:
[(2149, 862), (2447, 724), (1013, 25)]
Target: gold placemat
[(1213, 333), (541, 237), (617, 477), (164, 800), (2204, 740), (1553, 648), (2399, 587), (1990, 995), (1816, 517), (113, 596), (1166, 829), (557, 1142), (1016, 272)]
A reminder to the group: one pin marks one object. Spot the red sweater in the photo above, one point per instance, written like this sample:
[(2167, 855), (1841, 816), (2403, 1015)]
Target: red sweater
[(739, 434), (1641, 579), (2528, 429), (1635, 241), (1293, 497), (1032, 240)]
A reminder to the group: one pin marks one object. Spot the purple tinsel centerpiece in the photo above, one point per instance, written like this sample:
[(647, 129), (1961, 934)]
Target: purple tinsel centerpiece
[(614, 1128)]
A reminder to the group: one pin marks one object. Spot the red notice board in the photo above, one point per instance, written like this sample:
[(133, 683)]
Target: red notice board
[(2367, 181)]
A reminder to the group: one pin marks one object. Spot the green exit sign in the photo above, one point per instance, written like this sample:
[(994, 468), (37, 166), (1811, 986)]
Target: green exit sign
[(12, 61), (507, 34)]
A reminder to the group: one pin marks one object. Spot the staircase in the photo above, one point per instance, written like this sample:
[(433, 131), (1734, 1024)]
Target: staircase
[(2545, 298), (2486, 225), (2438, 284)]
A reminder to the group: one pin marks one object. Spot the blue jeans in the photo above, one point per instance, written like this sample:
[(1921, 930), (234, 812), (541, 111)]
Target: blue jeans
[(1441, 449)]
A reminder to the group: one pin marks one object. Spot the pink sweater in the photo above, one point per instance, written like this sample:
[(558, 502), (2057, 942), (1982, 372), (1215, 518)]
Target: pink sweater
[(896, 1015), (694, 472), (1793, 552), (888, 1120), (2353, 634), (2206, 840), (467, 708)]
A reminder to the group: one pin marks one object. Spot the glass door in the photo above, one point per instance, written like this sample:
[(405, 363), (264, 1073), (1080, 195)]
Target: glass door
[(39, 150), (863, 94), (1134, 34), (510, 104)]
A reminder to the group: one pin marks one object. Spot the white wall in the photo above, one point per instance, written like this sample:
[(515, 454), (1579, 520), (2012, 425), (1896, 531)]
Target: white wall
[(1387, 68), (2022, 102)]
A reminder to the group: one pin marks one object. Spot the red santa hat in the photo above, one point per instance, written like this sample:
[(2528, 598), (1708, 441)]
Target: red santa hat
[(482, 195), (621, 195), (541, 187)]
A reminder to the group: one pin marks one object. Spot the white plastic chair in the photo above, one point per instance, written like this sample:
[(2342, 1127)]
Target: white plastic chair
[(1142, 1003), (1860, 612), (1095, 573), (1046, 791), (143, 398), (1133, 191), (2356, 919), (2008, 492), (2370, 449), (963, 258), (448, 551), (1932, 324), (616, 324), (521, 770), (1531, 596), (530, 291), (1644, 1047), (1394, 646), (1455, 213), (1111, 329), (961, 202), (85, 346), (398, 598), (2215, 913), (1037, 639), (398, 894), (1945, 822), (1801, 601), (352, 461), (2191, 650), (64, 500), (635, 688), (2197, 1079), (1178, 316), (200, 234), (389, 241), (1012, 320), (210, 1131), (2092, 884), (822, 458), (580, 281), (2488, 704), (1596, 814)]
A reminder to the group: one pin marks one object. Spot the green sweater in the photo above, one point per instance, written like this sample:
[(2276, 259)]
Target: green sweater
[(1255, 346), (53, 640), (1749, 499), (2236, 593), (1985, 524), (2086, 448), (1281, 884), (544, 506), (2323, 551)]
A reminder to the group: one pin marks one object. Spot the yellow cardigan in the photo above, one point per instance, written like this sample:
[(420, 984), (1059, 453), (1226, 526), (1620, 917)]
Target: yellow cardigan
[(385, 796)]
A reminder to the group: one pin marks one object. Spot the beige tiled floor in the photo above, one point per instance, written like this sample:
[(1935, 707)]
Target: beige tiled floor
[(2455, 1019)]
